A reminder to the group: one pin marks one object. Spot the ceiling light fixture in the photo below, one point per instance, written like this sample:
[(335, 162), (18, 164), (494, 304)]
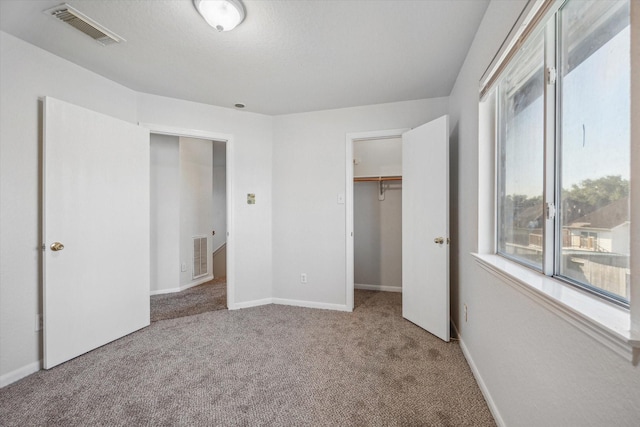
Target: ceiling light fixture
[(223, 15)]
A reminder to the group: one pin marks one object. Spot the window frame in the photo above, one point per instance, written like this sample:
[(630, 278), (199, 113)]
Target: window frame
[(498, 150), (549, 24), (608, 325)]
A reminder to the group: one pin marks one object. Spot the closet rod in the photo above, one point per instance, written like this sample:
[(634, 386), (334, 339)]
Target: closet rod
[(378, 179)]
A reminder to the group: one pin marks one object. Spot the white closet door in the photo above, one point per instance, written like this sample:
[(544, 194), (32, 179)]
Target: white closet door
[(96, 204), (425, 227)]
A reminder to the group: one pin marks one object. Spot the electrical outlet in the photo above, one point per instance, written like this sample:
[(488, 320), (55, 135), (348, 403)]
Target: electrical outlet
[(466, 316), (183, 267), (303, 278), (38, 322)]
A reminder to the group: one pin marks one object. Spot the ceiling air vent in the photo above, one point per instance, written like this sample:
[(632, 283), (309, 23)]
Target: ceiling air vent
[(82, 22)]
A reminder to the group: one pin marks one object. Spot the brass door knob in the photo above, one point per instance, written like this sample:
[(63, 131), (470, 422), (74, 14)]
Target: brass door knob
[(57, 246), (438, 240)]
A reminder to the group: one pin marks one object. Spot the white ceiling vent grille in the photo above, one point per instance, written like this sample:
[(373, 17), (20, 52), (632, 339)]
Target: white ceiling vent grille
[(83, 23)]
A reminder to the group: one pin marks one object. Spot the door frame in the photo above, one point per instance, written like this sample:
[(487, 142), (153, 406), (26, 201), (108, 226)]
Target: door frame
[(351, 137), (228, 139)]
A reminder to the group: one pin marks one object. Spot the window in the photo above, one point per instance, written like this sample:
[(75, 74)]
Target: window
[(563, 154), (521, 156)]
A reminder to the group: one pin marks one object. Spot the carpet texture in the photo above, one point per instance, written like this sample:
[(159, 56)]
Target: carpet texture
[(209, 296), (270, 365)]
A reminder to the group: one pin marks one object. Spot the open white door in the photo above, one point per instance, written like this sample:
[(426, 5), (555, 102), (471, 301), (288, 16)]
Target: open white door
[(425, 226), (96, 205)]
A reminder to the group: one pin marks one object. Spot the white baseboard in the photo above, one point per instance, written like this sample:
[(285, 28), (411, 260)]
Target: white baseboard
[(311, 304), (284, 301), (483, 387), (378, 288), (249, 304), (18, 374), (200, 281)]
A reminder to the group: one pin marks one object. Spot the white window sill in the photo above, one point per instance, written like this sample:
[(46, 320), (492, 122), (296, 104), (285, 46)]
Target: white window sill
[(603, 321)]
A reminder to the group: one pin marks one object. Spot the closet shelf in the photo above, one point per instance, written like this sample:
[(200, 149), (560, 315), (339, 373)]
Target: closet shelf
[(377, 178)]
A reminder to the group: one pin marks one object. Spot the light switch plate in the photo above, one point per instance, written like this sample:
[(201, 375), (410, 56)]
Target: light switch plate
[(341, 198)]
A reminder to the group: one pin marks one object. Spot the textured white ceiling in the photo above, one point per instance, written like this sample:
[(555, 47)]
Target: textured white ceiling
[(286, 57)]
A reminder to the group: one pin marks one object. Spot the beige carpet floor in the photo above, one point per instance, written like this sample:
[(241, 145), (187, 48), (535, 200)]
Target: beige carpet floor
[(209, 296), (263, 366)]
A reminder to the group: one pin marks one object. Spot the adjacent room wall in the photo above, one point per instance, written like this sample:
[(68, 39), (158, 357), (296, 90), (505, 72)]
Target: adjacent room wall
[(537, 368), (26, 74), (308, 175), (196, 203), (165, 213)]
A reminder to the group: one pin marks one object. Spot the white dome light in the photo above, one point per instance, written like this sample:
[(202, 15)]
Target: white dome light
[(223, 15)]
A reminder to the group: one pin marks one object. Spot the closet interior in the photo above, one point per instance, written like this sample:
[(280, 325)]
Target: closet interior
[(377, 189)]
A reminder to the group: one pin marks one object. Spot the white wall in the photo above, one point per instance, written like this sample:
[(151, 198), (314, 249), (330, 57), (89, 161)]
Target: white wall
[(308, 174), (196, 201), (377, 157), (252, 162), (377, 235), (27, 73), (538, 369), (165, 213)]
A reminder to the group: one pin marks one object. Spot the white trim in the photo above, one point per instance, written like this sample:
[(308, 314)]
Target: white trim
[(312, 304), (349, 225), (183, 287), (634, 191), (531, 9), (219, 248), (249, 304), (605, 322), (551, 126), (230, 237), (230, 169), (493, 408), (381, 288), (189, 133), (20, 373)]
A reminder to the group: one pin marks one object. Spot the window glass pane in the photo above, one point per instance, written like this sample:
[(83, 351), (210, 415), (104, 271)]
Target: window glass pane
[(521, 156), (594, 150)]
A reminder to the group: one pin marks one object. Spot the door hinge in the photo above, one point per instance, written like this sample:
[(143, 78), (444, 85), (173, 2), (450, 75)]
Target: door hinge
[(550, 210), (552, 75)]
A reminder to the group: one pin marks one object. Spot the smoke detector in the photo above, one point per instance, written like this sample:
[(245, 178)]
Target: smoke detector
[(83, 23)]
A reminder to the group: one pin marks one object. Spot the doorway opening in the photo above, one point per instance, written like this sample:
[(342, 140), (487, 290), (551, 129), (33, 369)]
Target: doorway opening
[(190, 241), (374, 212), (425, 221)]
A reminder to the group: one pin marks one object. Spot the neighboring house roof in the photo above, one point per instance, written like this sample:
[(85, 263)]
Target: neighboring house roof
[(607, 217), (531, 214)]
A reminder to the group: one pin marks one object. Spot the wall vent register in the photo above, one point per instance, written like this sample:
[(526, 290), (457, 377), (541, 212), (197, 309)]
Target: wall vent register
[(200, 258)]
